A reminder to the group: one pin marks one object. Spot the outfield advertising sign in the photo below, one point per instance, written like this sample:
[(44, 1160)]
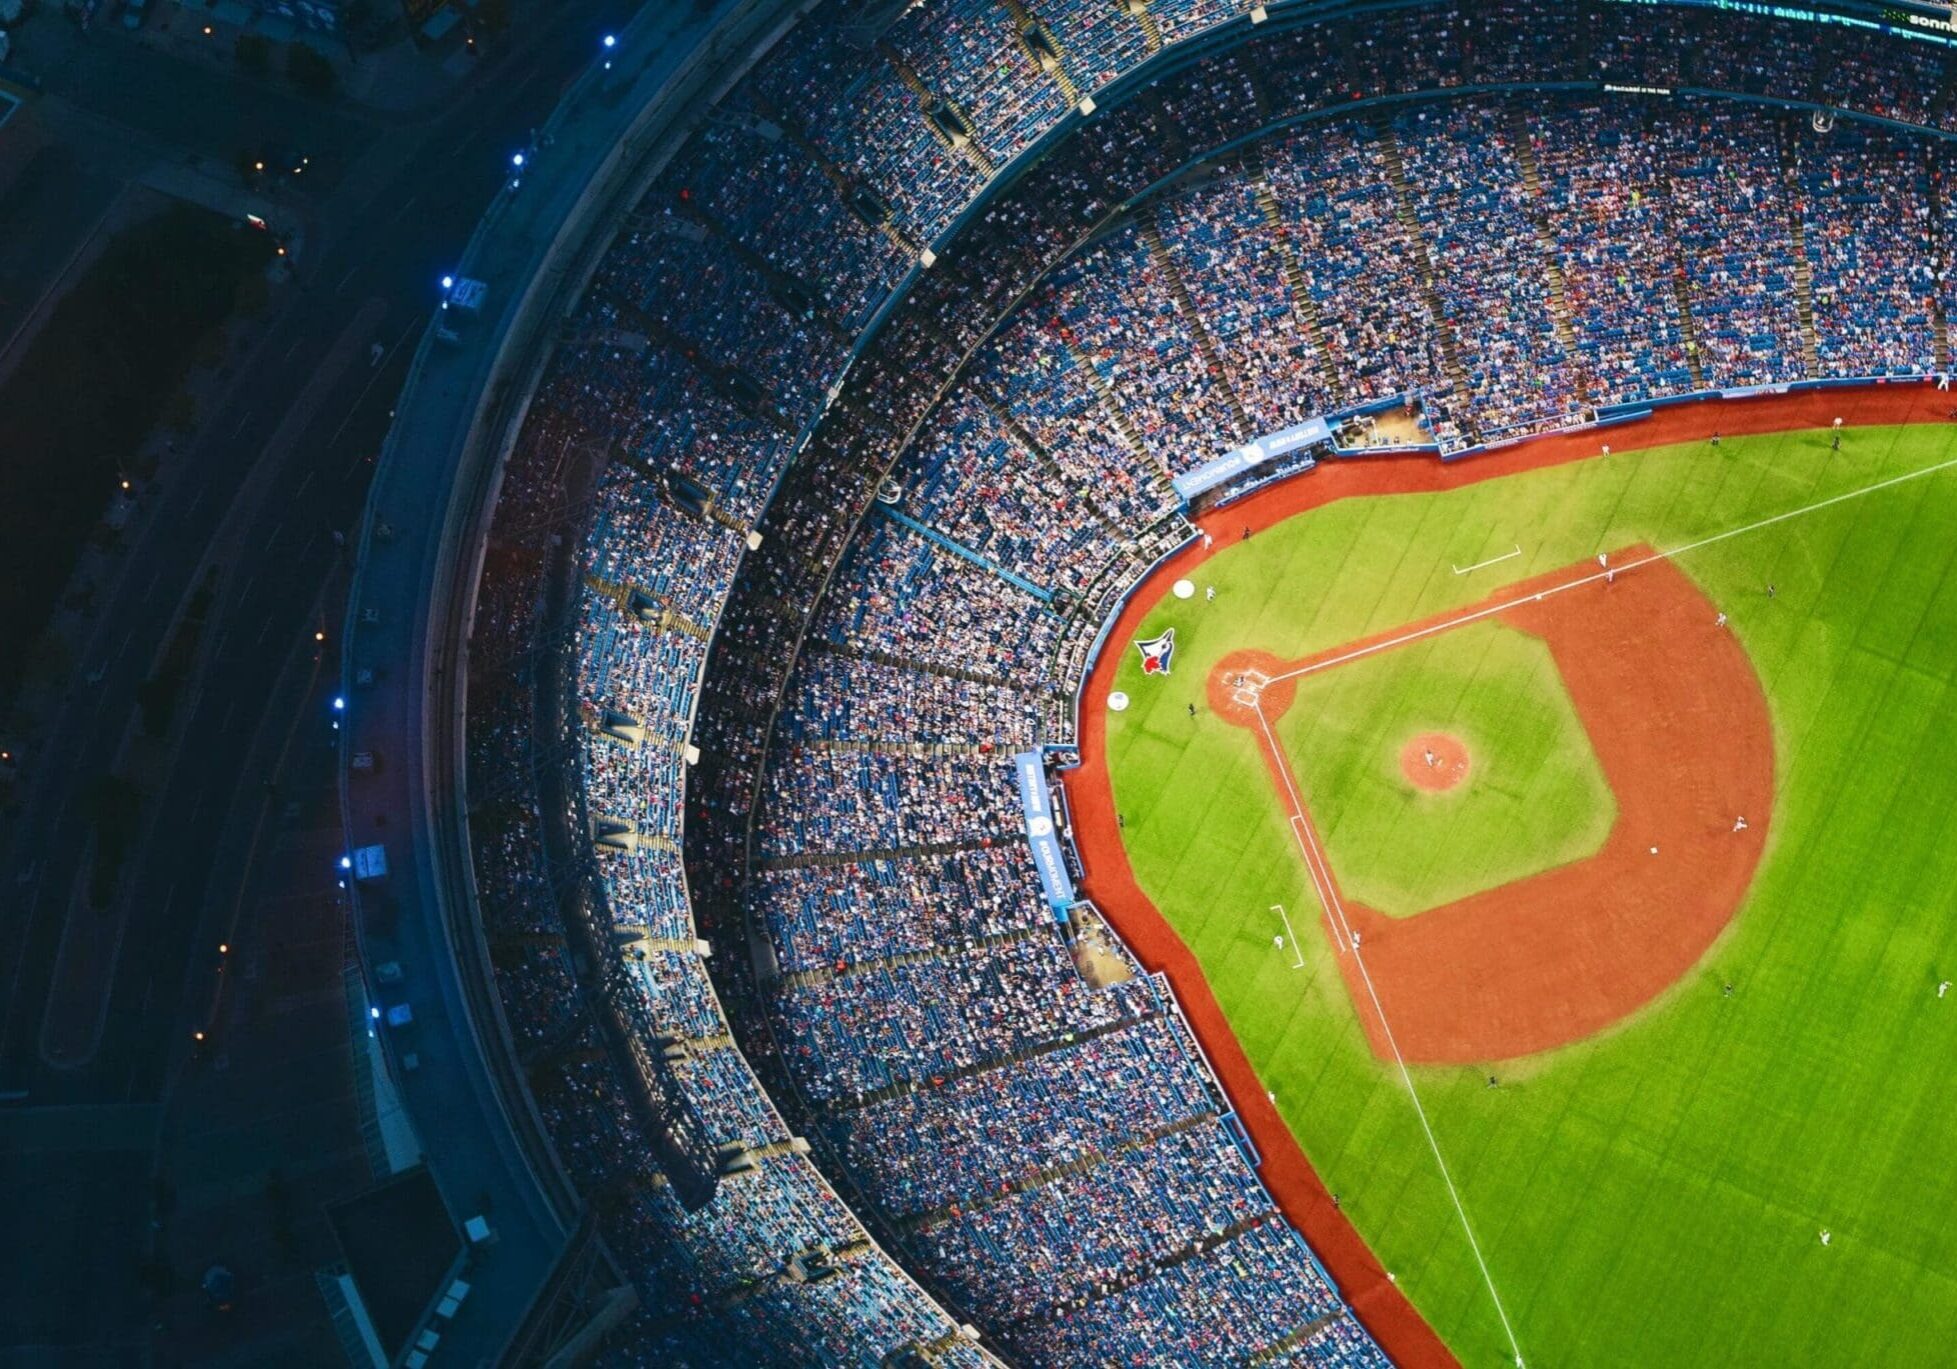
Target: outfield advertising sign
[(1237, 460), (1041, 831)]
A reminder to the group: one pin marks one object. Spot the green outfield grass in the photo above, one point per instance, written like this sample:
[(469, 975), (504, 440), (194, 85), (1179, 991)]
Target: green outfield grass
[(1534, 798), (1653, 1196)]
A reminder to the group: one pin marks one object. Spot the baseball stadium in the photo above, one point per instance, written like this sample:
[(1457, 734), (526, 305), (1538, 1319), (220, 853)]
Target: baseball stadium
[(1172, 682)]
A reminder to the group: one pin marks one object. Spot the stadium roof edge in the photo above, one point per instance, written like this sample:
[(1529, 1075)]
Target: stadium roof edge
[(407, 620)]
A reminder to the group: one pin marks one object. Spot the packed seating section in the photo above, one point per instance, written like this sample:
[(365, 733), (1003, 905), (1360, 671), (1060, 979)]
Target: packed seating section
[(1047, 1150)]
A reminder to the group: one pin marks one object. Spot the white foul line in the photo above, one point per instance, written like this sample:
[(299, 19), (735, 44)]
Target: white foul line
[(1296, 949), (1334, 906), (1491, 561), (1477, 614)]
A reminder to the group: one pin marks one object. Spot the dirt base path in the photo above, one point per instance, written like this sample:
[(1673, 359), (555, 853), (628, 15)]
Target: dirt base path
[(1681, 729), (1110, 881)]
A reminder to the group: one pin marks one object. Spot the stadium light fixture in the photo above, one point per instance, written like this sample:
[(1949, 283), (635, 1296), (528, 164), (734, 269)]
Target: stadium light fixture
[(610, 41), (346, 862), (516, 161), (339, 703), (448, 282)]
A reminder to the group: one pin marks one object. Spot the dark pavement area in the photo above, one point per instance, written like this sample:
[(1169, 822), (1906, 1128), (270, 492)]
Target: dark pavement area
[(277, 466)]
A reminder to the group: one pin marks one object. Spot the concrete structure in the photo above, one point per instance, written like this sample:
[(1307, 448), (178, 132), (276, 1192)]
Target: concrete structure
[(408, 621)]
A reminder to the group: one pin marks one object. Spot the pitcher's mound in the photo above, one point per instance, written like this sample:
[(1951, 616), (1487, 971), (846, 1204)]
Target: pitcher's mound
[(1434, 761)]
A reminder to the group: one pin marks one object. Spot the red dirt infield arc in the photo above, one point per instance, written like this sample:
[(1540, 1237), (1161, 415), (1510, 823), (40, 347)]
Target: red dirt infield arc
[(1109, 880), (1680, 726), (1435, 762)]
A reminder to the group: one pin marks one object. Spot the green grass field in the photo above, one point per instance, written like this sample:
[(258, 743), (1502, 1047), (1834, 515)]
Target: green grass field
[(1652, 1196), (1535, 796)]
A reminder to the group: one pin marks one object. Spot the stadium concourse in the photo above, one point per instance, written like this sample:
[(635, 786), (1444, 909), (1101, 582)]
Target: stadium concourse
[(896, 380)]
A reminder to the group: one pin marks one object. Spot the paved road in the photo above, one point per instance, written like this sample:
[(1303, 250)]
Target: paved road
[(281, 466)]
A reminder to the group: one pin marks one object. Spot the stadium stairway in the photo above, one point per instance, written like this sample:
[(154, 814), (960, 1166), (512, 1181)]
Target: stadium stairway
[(823, 974), (622, 597), (726, 519), (793, 294), (1116, 414), (879, 747), (1040, 1178), (804, 859), (904, 663), (1279, 1350), (1042, 48), (1148, 1269), (851, 192), (1559, 297), (1681, 283), (1302, 304), (853, 1102), (749, 396), (1048, 467), (1803, 269), (1192, 317), (929, 99), (1423, 266), (1941, 259)]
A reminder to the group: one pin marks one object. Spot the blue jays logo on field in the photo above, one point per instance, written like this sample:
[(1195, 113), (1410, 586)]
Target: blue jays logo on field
[(1158, 653)]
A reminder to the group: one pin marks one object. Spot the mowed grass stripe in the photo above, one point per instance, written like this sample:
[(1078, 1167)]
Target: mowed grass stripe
[(1535, 796), (1653, 1195)]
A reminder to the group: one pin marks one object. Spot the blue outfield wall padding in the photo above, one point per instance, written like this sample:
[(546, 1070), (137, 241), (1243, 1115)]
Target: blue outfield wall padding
[(1238, 460), (1042, 832)]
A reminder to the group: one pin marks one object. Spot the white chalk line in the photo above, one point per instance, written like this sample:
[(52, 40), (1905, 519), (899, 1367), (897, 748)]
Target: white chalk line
[(1329, 896), (1342, 942), (1297, 951), (1491, 610), (1491, 561)]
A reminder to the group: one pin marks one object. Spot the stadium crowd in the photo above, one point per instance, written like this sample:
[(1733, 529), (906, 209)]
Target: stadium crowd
[(857, 599)]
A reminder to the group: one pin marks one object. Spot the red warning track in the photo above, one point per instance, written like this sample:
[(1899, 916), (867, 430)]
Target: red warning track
[(1110, 881), (1680, 727)]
